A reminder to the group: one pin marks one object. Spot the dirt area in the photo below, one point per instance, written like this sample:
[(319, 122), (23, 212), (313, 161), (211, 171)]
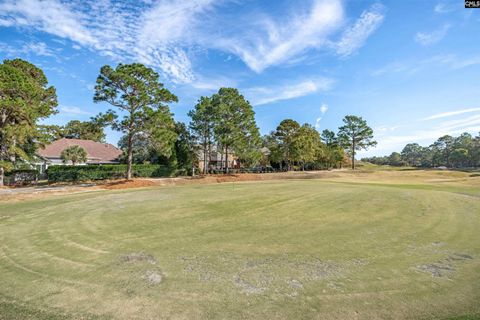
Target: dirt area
[(42, 191), (138, 183)]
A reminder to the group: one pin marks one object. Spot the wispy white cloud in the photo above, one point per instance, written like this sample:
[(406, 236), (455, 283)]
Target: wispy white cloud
[(28, 48), (459, 124), (396, 67), (451, 113), (275, 42), (455, 62), (323, 110), (356, 35), (265, 95), (168, 27), (49, 16), (383, 129), (165, 34), (278, 42), (429, 38), (447, 6), (147, 33), (40, 49), (451, 61), (213, 84), (74, 110)]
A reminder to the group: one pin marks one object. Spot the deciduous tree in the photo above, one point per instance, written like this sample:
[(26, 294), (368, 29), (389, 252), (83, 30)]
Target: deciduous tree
[(306, 143)]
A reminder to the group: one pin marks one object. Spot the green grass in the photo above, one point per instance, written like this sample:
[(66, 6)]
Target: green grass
[(385, 247)]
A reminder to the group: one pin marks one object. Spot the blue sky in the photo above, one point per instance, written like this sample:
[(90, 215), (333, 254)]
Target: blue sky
[(410, 68)]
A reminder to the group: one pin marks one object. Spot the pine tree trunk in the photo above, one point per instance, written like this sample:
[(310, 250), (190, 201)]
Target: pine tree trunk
[(353, 155), (226, 159), (129, 156), (1, 176), (205, 150), (13, 156), (209, 155), (288, 161), (3, 145)]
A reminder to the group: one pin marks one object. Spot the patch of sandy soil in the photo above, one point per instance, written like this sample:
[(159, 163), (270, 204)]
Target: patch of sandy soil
[(124, 184), (13, 194)]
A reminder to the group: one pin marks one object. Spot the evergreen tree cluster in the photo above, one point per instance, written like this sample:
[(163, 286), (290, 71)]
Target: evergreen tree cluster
[(451, 152)]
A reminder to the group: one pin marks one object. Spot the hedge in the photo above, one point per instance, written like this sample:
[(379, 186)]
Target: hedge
[(21, 177), (20, 171), (101, 172)]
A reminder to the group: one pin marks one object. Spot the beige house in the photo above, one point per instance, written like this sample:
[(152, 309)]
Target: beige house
[(216, 160)]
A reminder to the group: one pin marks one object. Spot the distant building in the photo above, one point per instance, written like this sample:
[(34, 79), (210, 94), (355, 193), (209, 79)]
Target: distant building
[(216, 160), (97, 153)]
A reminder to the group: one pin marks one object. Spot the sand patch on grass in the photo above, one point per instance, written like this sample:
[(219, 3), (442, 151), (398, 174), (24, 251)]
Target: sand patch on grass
[(279, 276), (138, 257), (444, 267)]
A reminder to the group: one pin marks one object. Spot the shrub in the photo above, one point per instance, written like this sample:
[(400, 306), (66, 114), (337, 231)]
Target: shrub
[(7, 166), (21, 177), (102, 172)]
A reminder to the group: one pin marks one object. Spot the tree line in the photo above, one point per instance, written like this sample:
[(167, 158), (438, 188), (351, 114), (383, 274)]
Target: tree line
[(451, 152), (224, 122)]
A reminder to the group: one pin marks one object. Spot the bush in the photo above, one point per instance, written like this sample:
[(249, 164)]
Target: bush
[(21, 177), (7, 166), (102, 172)]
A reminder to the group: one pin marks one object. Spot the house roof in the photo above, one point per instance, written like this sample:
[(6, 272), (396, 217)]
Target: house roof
[(97, 152)]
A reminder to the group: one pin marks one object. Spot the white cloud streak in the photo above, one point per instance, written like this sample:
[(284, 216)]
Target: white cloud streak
[(74, 110), (447, 6), (265, 95), (451, 61), (355, 36), (430, 38), (213, 84), (451, 113)]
